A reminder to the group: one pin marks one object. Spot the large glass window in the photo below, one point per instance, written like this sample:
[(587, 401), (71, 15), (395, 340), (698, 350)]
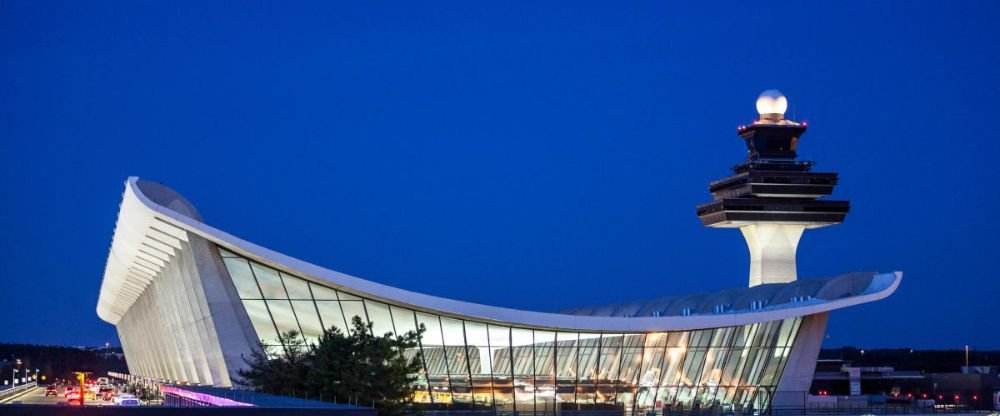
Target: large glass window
[(312, 327), (607, 370), (261, 319), (467, 364), (296, 288), (322, 292), (284, 318), (381, 319), (331, 316), (403, 320), (269, 282), (243, 279), (352, 309), (457, 360)]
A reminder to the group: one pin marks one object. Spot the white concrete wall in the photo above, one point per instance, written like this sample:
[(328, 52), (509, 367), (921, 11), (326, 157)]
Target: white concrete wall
[(188, 325), (798, 373)]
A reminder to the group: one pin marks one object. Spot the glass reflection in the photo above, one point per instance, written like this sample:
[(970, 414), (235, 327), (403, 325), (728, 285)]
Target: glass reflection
[(476, 365)]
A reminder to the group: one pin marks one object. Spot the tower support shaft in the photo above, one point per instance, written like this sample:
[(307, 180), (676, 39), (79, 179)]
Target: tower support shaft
[(772, 251)]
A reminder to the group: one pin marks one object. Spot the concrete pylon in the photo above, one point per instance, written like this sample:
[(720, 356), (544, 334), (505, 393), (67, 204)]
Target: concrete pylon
[(772, 251)]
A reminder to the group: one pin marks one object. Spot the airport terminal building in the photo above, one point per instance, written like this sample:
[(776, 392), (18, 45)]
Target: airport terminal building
[(189, 300)]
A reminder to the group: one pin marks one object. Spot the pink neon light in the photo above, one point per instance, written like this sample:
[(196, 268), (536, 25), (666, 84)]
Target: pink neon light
[(204, 398)]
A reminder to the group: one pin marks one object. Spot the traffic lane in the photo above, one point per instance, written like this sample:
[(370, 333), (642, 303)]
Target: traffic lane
[(35, 396), (16, 396), (38, 397)]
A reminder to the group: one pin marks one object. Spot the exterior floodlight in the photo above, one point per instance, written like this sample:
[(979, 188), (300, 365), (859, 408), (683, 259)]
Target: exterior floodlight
[(771, 105)]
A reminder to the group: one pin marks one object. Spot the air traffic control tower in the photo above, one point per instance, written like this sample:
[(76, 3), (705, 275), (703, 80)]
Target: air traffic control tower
[(772, 197)]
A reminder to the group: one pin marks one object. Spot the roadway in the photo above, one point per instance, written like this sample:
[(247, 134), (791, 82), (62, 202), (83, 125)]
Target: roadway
[(15, 396), (37, 396)]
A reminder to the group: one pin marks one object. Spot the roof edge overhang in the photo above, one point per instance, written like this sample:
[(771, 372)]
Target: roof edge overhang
[(137, 210)]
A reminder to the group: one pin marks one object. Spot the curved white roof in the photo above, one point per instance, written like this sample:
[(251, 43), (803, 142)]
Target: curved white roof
[(154, 220)]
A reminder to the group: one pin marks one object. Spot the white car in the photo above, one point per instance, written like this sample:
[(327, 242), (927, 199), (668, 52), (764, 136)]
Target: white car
[(125, 400), (129, 402)]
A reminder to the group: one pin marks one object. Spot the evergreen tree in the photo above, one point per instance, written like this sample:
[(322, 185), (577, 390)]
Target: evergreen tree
[(365, 368), (361, 368), (281, 369)]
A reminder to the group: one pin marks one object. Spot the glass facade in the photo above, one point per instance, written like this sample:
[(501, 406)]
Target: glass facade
[(477, 365)]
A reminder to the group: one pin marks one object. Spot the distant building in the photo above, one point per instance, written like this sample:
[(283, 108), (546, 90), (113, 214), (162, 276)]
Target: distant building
[(840, 378), (974, 388), (189, 300)]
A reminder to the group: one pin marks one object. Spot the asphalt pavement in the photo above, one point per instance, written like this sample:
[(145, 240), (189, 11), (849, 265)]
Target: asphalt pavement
[(37, 396)]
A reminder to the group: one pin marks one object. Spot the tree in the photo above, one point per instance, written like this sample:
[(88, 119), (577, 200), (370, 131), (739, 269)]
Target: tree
[(281, 369), (366, 368), (360, 367)]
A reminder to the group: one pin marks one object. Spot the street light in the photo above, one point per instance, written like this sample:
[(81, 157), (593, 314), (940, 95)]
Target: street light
[(13, 376)]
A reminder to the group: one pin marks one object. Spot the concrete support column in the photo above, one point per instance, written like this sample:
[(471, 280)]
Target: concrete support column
[(797, 377), (772, 251)]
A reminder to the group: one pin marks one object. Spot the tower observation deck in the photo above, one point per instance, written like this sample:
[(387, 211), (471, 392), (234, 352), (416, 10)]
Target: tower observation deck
[(773, 197)]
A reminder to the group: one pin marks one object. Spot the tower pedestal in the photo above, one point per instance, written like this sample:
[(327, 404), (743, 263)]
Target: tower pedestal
[(772, 251)]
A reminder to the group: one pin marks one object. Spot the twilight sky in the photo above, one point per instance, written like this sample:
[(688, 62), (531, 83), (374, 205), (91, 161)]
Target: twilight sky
[(526, 155)]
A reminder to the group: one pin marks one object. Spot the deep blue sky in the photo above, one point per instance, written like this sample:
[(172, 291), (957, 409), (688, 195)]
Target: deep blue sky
[(526, 155)]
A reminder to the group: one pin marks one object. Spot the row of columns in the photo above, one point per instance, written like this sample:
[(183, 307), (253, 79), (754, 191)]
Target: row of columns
[(172, 331)]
